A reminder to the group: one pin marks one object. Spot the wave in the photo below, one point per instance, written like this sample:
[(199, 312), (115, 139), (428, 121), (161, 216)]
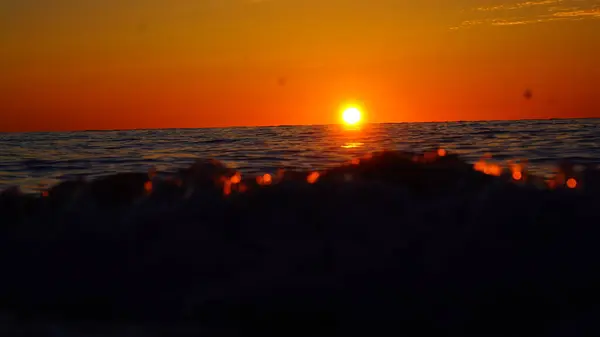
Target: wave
[(391, 243)]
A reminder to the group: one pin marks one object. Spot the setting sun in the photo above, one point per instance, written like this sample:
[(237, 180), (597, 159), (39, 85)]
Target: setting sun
[(351, 116)]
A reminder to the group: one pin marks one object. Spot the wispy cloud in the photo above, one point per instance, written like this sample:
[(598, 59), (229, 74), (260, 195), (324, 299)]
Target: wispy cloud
[(530, 12), (518, 5)]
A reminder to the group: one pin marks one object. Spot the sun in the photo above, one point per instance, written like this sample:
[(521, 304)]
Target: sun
[(352, 116)]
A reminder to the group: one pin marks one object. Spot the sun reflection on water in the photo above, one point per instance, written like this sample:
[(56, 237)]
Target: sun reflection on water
[(352, 145)]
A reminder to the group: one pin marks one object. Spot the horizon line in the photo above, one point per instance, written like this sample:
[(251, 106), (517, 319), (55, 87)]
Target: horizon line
[(296, 125)]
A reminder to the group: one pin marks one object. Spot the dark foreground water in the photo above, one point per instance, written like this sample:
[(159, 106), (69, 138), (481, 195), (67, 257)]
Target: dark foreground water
[(387, 244), (31, 159)]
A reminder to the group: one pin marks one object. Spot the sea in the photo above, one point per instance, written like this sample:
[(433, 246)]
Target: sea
[(394, 245), (38, 160)]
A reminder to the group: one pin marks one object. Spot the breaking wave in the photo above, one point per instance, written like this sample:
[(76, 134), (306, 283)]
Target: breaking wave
[(393, 243)]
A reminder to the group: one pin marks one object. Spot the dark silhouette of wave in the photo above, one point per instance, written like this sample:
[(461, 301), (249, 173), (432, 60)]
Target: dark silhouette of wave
[(390, 244)]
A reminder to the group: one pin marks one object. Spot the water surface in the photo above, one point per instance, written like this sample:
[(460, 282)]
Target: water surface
[(33, 160)]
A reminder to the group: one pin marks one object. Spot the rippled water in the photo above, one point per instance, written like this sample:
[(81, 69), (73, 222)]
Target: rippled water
[(31, 160)]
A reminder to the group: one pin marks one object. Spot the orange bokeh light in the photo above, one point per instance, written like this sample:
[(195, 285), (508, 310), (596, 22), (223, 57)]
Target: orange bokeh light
[(236, 178), (148, 186), (571, 183), (313, 177), (267, 179), (489, 169), (227, 187), (493, 170)]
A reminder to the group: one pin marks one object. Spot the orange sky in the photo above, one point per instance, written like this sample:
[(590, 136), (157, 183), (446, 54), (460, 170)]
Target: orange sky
[(118, 64)]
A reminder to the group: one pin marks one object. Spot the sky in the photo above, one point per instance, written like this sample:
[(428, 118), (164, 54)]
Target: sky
[(126, 64)]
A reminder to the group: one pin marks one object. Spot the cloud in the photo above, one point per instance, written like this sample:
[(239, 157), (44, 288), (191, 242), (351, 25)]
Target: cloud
[(531, 12), (518, 5)]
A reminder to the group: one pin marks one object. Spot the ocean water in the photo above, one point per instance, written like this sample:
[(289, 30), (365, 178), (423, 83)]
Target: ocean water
[(36, 160), (386, 246)]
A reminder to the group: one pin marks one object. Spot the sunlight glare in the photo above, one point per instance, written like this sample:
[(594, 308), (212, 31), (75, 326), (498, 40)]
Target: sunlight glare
[(352, 116)]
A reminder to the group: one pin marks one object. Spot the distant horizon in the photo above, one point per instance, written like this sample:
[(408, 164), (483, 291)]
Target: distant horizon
[(301, 125)]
